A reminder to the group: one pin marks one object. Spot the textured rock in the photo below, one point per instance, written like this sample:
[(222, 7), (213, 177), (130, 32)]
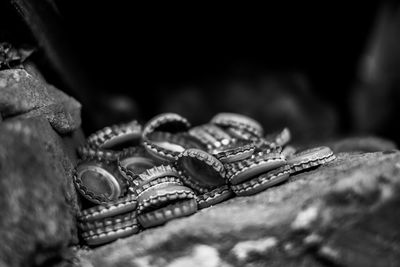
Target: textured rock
[(201, 255), (243, 250), (64, 117), (315, 219), (60, 153), (36, 224), (23, 95)]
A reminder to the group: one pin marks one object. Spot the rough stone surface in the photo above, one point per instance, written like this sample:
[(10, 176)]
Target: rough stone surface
[(39, 134), (36, 223), (59, 151), (345, 213), (23, 95), (201, 255), (64, 117)]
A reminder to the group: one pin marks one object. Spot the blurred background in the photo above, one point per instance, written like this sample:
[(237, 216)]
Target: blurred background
[(325, 71)]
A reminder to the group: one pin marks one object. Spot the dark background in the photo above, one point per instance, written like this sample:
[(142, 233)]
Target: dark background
[(300, 66)]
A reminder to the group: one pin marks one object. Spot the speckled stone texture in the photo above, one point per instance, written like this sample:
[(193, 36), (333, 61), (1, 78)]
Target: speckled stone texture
[(345, 213), (39, 134), (22, 95), (59, 151), (37, 219)]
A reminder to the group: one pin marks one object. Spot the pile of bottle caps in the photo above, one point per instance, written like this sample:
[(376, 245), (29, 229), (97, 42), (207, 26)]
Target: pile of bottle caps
[(135, 177)]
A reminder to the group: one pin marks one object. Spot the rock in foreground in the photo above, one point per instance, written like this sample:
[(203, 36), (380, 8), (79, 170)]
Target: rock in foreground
[(24, 96), (344, 213), (39, 134), (37, 220)]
